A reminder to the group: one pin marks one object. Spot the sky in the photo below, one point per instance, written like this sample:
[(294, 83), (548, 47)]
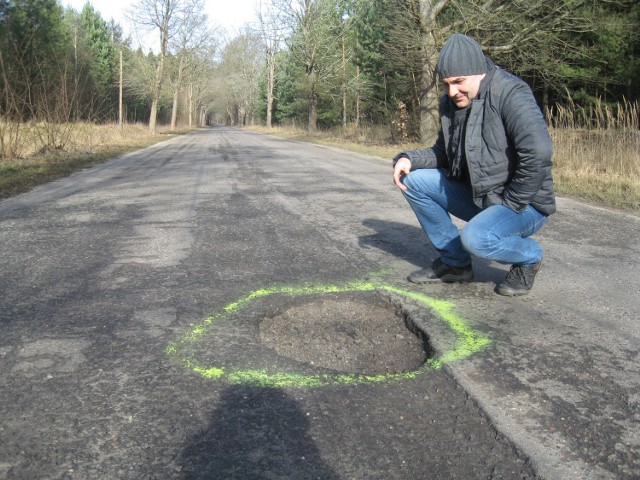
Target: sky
[(230, 14)]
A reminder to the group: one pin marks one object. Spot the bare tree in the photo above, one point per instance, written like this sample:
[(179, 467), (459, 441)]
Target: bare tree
[(525, 36), (169, 18), (349, 80), (195, 36), (239, 74), (272, 37), (530, 30), (314, 42), (199, 79)]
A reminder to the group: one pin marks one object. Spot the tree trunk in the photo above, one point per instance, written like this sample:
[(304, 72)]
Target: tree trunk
[(358, 96), (120, 120), (429, 117), (174, 109), (270, 88), (242, 116), (157, 89), (545, 99), (429, 98), (344, 84), (313, 112), (313, 102), (190, 105), (176, 93), (153, 116)]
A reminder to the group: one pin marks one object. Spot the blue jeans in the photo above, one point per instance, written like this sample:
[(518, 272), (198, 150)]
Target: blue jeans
[(494, 233)]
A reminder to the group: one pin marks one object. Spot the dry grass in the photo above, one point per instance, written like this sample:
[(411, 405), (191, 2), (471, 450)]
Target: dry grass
[(43, 153), (597, 152), (600, 165)]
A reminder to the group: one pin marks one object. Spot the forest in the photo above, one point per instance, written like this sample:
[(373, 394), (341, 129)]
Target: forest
[(312, 63)]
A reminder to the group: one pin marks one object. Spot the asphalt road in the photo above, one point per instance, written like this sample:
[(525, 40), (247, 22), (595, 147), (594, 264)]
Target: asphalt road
[(131, 294)]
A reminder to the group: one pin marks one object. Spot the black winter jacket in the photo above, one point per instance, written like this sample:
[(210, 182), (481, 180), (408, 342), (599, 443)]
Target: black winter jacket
[(507, 145)]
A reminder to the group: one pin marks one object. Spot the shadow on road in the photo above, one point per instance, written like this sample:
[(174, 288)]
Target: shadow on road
[(254, 433), (406, 242), (409, 243)]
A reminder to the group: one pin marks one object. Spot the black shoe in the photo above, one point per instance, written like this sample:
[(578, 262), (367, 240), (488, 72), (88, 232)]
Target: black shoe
[(519, 280), (441, 272)]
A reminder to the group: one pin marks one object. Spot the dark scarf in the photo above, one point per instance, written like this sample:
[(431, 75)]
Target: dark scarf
[(457, 158)]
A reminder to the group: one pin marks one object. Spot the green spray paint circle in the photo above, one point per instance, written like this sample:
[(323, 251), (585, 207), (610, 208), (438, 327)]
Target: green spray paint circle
[(467, 341)]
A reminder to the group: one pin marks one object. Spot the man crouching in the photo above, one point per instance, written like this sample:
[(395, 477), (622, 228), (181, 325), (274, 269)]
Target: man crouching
[(490, 166)]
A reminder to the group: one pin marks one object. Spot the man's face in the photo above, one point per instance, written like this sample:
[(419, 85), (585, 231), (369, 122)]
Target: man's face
[(462, 90)]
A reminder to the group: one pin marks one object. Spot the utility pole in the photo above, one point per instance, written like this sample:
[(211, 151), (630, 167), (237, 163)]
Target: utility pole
[(120, 120)]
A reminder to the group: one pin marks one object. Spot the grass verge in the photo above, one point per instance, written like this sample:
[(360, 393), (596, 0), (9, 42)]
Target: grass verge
[(91, 146)]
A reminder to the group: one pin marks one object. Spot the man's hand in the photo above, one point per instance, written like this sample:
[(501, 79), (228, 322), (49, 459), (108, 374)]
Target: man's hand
[(403, 167)]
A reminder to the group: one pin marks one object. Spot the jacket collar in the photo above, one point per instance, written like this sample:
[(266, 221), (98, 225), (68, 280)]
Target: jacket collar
[(486, 81)]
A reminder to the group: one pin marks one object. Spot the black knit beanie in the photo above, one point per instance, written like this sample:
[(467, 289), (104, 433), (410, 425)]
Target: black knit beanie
[(461, 56)]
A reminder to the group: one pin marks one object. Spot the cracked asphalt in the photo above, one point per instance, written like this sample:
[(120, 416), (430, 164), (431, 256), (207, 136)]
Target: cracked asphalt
[(106, 274)]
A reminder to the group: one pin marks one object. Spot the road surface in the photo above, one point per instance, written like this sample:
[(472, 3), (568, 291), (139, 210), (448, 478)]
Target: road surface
[(132, 295)]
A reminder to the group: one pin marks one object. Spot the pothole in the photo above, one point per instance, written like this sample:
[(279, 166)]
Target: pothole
[(354, 332)]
